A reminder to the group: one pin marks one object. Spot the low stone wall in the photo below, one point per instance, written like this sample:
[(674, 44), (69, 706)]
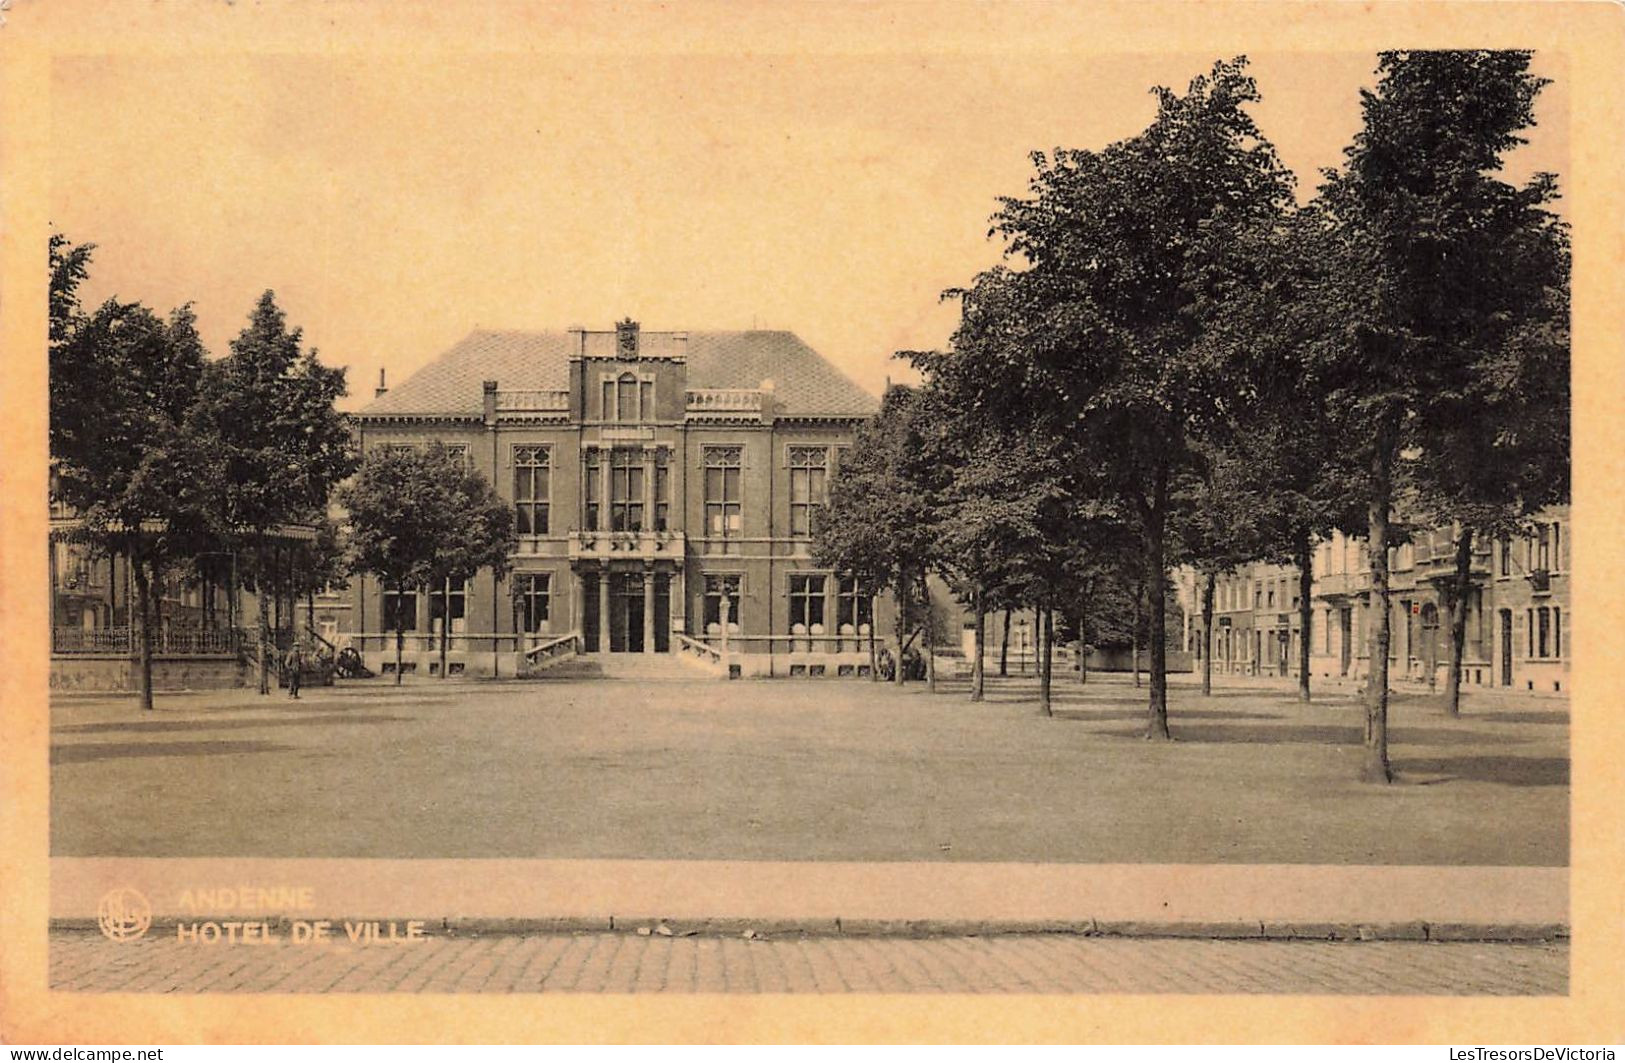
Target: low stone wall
[(96, 673)]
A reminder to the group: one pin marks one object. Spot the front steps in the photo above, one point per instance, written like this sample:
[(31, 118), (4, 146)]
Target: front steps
[(637, 667)]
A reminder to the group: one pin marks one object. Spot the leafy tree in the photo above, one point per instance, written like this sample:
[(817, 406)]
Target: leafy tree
[(318, 564), (1431, 247), (1106, 345), (481, 533), (270, 406), (879, 525), (1503, 454), (1219, 527), (1276, 459), (126, 450), (992, 517), (404, 507)]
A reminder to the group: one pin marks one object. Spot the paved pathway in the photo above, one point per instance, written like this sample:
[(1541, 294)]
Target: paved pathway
[(629, 963)]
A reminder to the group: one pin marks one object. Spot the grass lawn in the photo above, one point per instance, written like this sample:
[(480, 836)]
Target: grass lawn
[(804, 770)]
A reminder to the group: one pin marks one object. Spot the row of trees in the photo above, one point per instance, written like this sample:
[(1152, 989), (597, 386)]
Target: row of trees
[(169, 458), (178, 462), (1182, 364)]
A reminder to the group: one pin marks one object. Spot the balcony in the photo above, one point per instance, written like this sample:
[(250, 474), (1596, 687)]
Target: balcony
[(519, 402), (1334, 585), (725, 403), (626, 546), (1540, 581)]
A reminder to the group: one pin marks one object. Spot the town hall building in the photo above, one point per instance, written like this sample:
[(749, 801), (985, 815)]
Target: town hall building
[(664, 486)]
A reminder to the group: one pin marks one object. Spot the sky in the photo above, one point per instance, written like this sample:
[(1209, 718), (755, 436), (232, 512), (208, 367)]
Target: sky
[(396, 203)]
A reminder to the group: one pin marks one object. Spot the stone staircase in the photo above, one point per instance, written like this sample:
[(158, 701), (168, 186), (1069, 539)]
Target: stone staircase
[(640, 667)]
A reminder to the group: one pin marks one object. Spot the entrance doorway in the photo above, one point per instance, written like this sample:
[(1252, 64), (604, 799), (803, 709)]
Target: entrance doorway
[(1506, 647), (627, 626), (626, 612), (1430, 641), (1345, 628)]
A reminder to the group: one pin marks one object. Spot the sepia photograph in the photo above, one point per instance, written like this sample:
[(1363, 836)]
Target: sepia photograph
[(589, 515)]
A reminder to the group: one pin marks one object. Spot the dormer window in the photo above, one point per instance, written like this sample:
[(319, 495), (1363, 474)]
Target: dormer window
[(628, 398)]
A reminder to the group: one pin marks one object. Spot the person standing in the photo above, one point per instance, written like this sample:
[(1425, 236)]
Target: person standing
[(293, 664)]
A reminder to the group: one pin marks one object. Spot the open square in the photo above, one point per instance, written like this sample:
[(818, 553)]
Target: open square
[(805, 770)]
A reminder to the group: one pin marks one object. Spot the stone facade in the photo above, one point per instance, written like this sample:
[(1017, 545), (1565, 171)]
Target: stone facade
[(1519, 624), (664, 485)]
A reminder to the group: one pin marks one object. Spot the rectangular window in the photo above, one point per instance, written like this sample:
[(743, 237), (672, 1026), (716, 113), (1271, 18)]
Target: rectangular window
[(809, 487), (458, 452), (1529, 646), (626, 490), (400, 611), (1544, 621), (646, 400), (608, 410), (723, 515), (626, 399), (807, 605), (1506, 557), (453, 595), (534, 601), (531, 485), (854, 611), (1557, 632), (662, 491), (1557, 543), (719, 589), (1543, 549), (594, 489)]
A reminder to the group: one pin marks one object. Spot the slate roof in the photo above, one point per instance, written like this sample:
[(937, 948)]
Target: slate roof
[(804, 384)]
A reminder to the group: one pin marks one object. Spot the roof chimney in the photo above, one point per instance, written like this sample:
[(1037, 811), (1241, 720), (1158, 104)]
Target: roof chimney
[(490, 388), (382, 387)]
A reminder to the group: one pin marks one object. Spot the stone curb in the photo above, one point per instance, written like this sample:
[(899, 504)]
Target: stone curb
[(1268, 930)]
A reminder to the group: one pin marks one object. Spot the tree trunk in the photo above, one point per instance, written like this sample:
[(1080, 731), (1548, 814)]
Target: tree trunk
[(874, 669), (1047, 636), (445, 621), (1463, 585), (1083, 634), (978, 678), (902, 626), (1207, 633), (930, 638), (143, 597), (1134, 636), (1374, 768), (1004, 647), (262, 591), (1306, 611), (1156, 576)]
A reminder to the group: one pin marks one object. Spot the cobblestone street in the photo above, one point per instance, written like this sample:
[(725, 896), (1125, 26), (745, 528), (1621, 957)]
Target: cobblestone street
[(629, 963)]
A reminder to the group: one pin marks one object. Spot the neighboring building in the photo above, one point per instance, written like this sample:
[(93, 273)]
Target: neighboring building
[(1518, 617), (664, 485)]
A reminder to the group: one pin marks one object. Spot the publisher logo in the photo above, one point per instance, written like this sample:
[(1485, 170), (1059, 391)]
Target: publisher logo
[(123, 914)]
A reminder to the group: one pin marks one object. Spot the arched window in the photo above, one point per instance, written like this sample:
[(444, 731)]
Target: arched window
[(627, 398)]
